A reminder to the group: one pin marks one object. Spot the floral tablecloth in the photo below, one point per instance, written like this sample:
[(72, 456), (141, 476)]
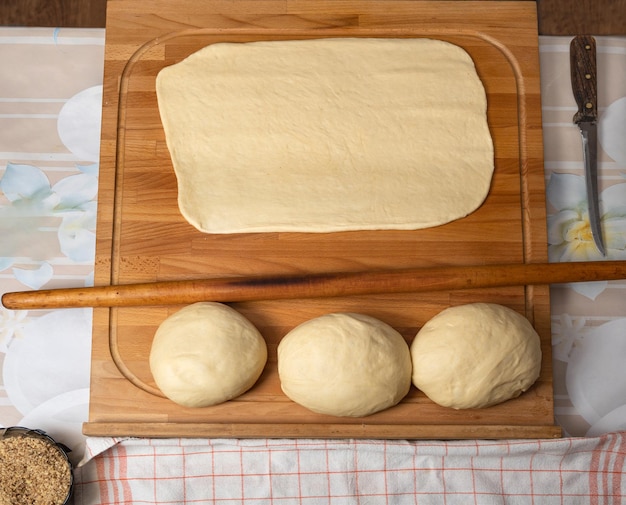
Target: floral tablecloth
[(50, 101), (588, 319), (50, 110)]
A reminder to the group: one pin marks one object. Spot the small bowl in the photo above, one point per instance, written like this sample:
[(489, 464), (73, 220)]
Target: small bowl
[(25, 448)]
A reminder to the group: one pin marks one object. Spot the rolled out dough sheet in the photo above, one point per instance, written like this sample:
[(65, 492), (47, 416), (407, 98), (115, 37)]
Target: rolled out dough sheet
[(326, 135)]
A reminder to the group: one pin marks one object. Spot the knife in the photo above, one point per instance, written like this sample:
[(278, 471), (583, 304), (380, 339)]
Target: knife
[(584, 87)]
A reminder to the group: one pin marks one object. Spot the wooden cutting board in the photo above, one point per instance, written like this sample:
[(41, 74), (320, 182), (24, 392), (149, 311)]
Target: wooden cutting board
[(142, 236)]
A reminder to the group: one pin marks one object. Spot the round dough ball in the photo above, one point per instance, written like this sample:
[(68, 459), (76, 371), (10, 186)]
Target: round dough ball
[(344, 365), (475, 355), (205, 354)]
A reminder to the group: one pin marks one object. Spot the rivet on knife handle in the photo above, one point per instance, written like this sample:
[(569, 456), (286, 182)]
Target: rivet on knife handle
[(584, 80)]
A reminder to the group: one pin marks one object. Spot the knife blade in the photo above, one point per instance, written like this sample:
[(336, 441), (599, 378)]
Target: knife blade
[(584, 88)]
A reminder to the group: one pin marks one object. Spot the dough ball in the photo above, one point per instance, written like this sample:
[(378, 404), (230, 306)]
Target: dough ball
[(344, 365), (475, 355), (205, 354)]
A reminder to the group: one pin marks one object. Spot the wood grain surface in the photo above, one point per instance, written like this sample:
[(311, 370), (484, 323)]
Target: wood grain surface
[(556, 17), (55, 13), (583, 70), (582, 17), (141, 236)]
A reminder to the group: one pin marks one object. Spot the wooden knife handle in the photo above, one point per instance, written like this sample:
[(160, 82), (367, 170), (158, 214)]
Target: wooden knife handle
[(584, 78), (234, 289)]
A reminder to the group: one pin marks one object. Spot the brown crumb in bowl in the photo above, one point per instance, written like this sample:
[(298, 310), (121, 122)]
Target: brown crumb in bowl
[(32, 472)]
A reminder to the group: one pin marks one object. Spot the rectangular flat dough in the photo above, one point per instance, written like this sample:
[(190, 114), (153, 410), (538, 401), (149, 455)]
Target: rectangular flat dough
[(326, 135)]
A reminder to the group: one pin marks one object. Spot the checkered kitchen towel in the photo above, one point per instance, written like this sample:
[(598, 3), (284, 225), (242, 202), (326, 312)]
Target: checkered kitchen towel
[(192, 471)]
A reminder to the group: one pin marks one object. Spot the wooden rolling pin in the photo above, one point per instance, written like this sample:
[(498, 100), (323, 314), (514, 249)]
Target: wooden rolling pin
[(233, 289)]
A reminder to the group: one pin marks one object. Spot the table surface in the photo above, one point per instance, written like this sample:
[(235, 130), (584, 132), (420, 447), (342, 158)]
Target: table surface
[(50, 103), (600, 17)]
